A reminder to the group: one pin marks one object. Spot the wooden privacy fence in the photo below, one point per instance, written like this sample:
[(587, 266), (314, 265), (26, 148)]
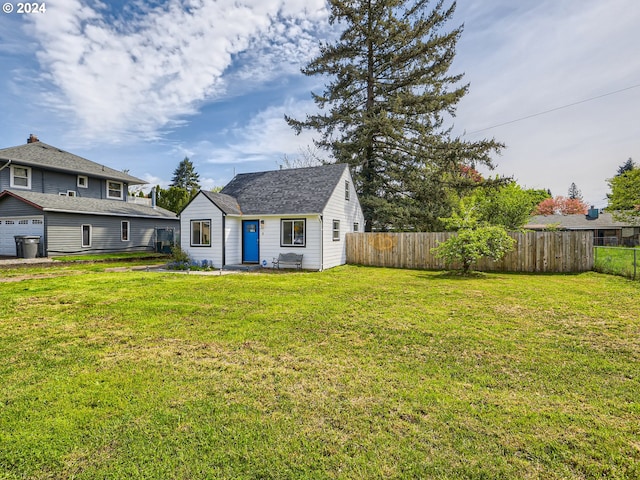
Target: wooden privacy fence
[(561, 252)]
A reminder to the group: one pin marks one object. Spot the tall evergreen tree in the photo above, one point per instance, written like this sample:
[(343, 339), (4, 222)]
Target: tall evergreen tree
[(186, 177), (626, 167), (574, 192), (384, 109)]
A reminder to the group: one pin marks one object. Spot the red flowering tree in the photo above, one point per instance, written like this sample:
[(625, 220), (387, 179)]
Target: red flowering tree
[(561, 205)]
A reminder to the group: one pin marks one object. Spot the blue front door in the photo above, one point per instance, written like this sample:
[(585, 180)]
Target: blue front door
[(250, 241)]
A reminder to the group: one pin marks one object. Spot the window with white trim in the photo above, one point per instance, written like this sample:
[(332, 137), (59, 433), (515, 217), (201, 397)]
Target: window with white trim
[(336, 230), (200, 233), (124, 231), (347, 190), (86, 235), (115, 190), (293, 233), (83, 181), (356, 227), (20, 177)]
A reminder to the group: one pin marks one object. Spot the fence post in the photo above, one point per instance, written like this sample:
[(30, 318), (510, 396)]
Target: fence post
[(635, 262)]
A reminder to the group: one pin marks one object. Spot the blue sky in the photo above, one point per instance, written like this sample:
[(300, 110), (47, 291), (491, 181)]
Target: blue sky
[(140, 85)]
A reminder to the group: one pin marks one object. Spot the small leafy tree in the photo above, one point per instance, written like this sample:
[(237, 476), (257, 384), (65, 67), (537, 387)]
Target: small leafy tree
[(174, 199), (624, 199), (509, 205), (474, 240)]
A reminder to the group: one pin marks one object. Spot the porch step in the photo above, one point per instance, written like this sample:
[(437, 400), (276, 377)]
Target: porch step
[(242, 267)]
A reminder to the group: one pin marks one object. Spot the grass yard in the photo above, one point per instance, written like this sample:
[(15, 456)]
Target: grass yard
[(350, 373), (618, 261)]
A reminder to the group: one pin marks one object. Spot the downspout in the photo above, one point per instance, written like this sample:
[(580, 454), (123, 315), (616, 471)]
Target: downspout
[(321, 244), (5, 165), (224, 246)]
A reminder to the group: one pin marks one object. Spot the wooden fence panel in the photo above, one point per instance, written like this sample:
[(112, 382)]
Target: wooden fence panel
[(557, 252)]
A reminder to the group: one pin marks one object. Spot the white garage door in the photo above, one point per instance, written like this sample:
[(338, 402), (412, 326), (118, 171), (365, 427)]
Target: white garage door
[(11, 226)]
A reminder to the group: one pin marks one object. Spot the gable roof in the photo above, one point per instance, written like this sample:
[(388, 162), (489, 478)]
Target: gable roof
[(88, 206), (226, 203), (41, 155), (604, 221), (285, 192)]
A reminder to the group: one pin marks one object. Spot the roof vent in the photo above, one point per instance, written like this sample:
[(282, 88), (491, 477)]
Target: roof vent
[(593, 213), (32, 139)]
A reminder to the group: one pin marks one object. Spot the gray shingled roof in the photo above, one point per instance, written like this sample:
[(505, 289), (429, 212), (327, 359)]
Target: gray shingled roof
[(60, 203), (285, 192), (226, 203), (575, 222), (39, 154)]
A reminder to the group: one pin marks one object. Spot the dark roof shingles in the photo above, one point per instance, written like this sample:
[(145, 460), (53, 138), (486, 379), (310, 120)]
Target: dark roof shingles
[(39, 154), (281, 192), (61, 203)]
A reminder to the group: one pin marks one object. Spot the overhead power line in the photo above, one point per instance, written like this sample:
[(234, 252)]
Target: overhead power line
[(554, 109)]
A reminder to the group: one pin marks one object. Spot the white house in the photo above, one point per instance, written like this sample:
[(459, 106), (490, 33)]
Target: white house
[(258, 216)]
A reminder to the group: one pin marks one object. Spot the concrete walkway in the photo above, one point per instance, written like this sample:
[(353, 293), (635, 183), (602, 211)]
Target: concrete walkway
[(8, 261)]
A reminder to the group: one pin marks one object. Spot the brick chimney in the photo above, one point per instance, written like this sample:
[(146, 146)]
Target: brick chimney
[(32, 139)]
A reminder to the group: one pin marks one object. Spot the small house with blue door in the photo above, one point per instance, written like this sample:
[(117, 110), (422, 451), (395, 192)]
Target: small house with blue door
[(258, 216)]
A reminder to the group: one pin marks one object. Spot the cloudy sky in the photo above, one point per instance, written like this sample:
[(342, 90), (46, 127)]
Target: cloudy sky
[(139, 85)]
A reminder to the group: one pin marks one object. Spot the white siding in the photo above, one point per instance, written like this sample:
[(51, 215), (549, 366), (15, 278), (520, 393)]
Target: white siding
[(347, 212), (201, 208), (270, 241), (233, 239)]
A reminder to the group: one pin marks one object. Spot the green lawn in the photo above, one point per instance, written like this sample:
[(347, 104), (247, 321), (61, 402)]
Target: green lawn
[(350, 373), (618, 261)]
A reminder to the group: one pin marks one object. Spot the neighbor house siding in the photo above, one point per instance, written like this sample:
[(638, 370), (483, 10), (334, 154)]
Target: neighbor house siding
[(10, 207), (201, 208), (64, 233), (51, 182), (347, 212)]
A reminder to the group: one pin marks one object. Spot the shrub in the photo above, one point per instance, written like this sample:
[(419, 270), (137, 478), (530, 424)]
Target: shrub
[(472, 244)]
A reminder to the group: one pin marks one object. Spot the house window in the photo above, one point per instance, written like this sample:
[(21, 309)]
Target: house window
[(200, 233), (71, 193), (83, 181), (356, 227), (114, 190), (336, 230), (20, 177), (86, 235), (346, 190), (124, 231), (293, 233)]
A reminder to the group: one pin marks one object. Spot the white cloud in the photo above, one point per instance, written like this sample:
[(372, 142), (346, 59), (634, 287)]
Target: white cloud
[(139, 75)]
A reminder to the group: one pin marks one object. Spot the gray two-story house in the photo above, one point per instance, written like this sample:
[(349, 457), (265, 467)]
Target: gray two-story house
[(74, 205)]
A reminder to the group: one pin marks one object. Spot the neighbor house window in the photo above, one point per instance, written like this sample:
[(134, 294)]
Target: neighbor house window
[(83, 181), (86, 235), (20, 177), (115, 190), (356, 227), (200, 233), (336, 230), (71, 193), (293, 233), (124, 231), (346, 190)]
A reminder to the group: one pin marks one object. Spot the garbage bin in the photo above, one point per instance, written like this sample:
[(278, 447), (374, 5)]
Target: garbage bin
[(19, 246), (31, 245), (27, 246)]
